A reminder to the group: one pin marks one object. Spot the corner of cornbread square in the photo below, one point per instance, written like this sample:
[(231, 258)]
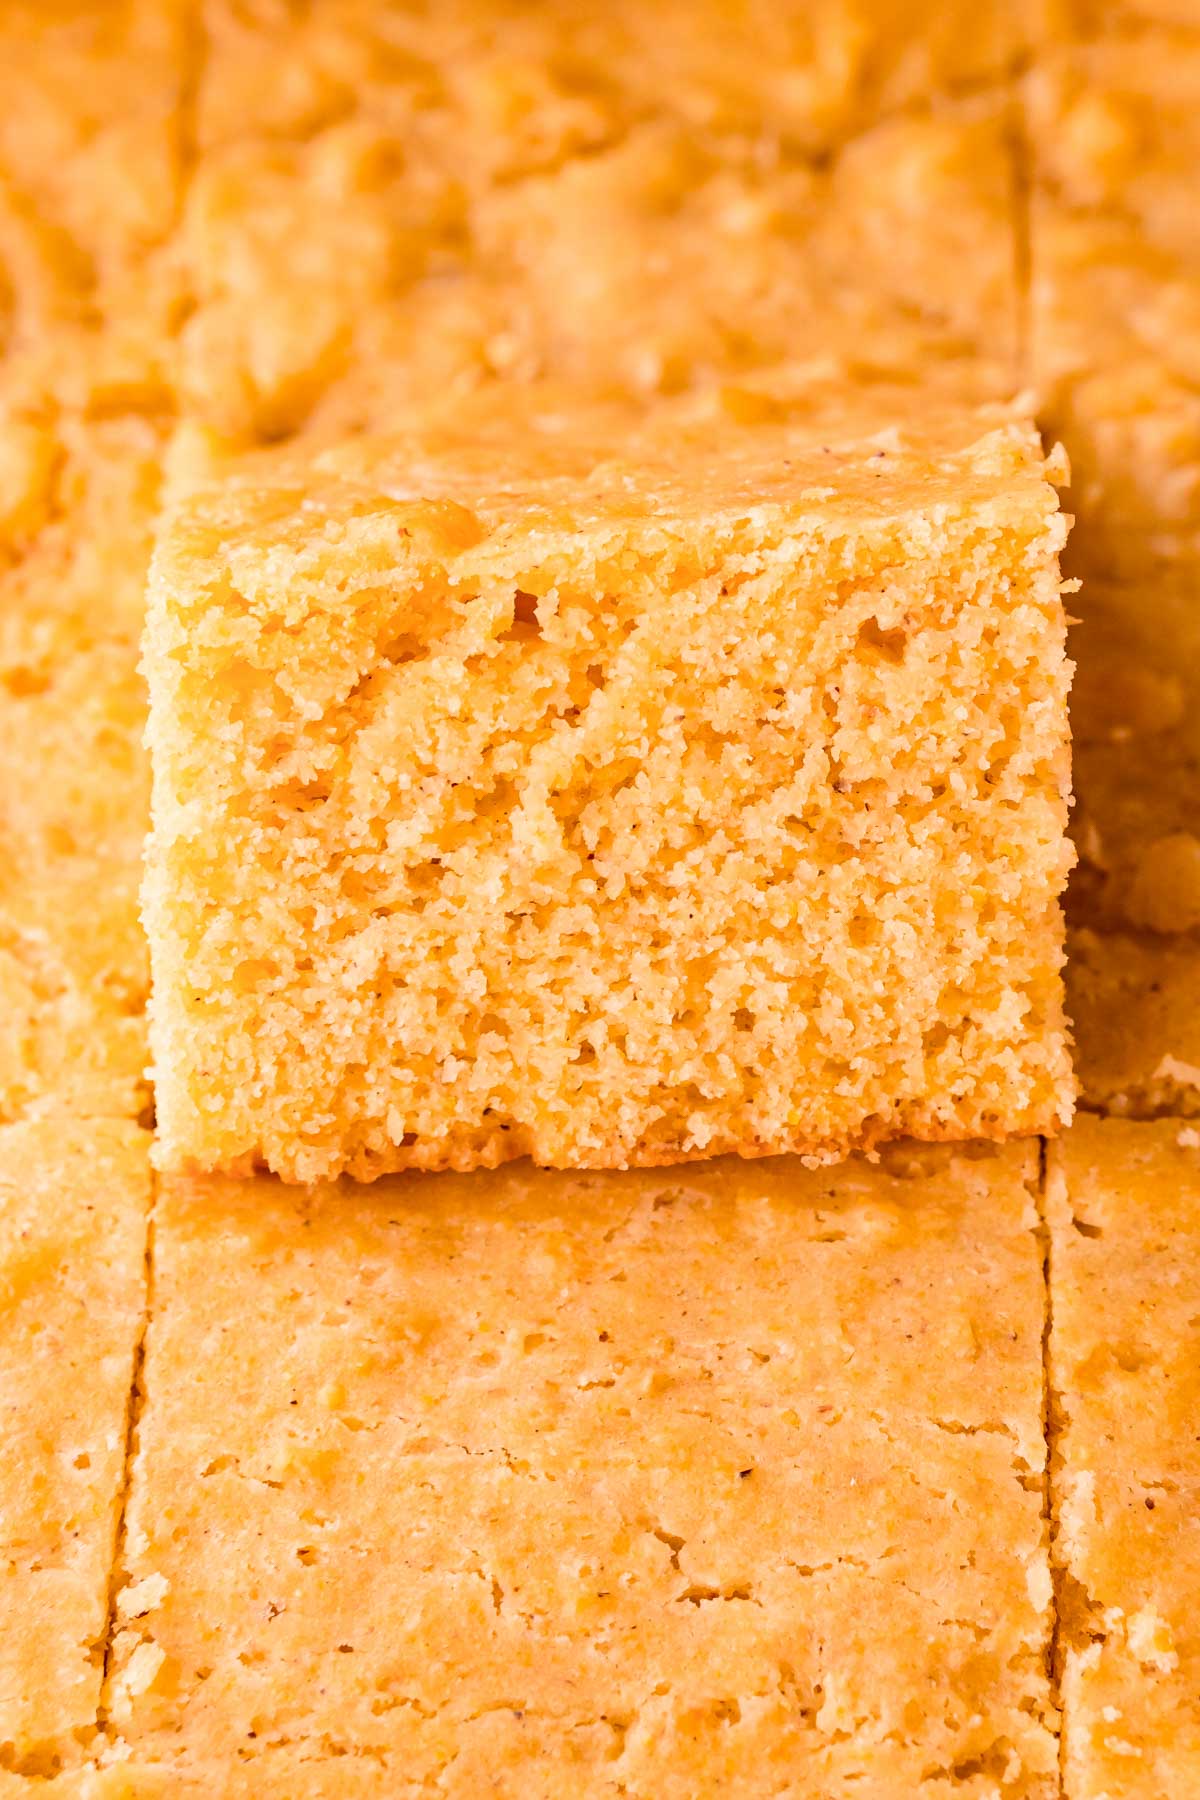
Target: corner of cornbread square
[(610, 791)]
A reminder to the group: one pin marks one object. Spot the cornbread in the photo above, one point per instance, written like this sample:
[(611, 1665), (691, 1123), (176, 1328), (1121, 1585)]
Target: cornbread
[(1134, 715), (539, 1482), (611, 798), (73, 1208), (92, 104), (523, 210), (530, 85), (1115, 295), (1134, 1000), (77, 509), (1124, 1209)]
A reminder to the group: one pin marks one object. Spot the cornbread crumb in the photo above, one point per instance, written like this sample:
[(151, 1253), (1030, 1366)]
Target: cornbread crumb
[(1124, 1211), (648, 1483), (519, 793), (74, 1201)]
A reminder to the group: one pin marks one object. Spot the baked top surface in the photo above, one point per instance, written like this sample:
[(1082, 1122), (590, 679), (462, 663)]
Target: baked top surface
[(1123, 1206), (74, 1205), (162, 199), (674, 1378)]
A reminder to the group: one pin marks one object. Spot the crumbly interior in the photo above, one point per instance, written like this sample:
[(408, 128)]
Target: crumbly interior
[(681, 807), (652, 1484)]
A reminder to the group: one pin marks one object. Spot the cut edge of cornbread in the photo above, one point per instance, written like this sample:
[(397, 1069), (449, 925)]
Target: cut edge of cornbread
[(467, 845)]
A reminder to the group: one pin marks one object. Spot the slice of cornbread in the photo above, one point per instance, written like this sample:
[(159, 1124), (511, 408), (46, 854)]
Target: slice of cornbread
[(1124, 1209), (534, 1483), (74, 1201), (611, 794), (78, 503), (1114, 134)]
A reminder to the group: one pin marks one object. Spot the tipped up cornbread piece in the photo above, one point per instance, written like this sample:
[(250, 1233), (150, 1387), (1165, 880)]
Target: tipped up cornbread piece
[(519, 794), (532, 1483), (1124, 1204), (73, 1208)]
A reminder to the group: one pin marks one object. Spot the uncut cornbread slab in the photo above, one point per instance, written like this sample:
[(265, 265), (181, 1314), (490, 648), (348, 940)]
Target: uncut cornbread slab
[(551, 785), (599, 195), (74, 1201), (1124, 1212), (535, 1483)]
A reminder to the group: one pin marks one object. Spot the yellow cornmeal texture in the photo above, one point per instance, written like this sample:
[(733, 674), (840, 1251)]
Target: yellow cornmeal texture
[(1115, 139), (549, 196), (91, 150), (79, 501), (1124, 1208), (546, 1484), (74, 1201), (602, 815), (541, 79)]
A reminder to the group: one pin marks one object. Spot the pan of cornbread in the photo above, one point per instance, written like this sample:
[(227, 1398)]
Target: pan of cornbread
[(610, 1205)]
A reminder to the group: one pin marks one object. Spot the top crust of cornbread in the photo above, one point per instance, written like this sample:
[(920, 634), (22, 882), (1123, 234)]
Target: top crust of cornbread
[(1123, 1203), (611, 791), (454, 226), (1115, 288), (74, 1201), (657, 1484)]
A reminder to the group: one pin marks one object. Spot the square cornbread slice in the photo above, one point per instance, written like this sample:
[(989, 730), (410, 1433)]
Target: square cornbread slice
[(553, 785), (74, 1202), (1124, 1211), (543, 1483)]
